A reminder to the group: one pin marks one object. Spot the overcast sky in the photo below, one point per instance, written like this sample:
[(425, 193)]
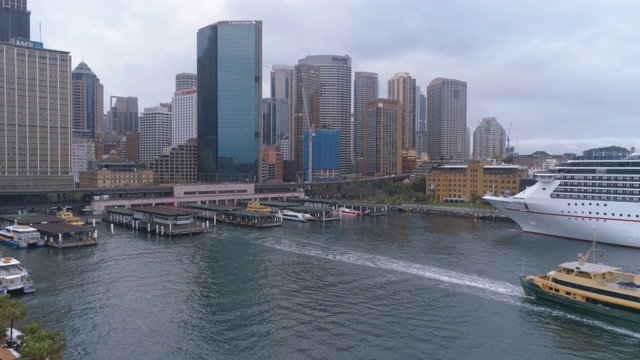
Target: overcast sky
[(562, 75)]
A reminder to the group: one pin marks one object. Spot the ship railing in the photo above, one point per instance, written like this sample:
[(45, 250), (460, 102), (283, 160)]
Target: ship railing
[(545, 176)]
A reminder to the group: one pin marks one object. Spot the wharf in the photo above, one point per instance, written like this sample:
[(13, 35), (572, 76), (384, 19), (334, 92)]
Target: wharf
[(163, 220), (476, 213), (250, 218), (319, 214), (63, 235)]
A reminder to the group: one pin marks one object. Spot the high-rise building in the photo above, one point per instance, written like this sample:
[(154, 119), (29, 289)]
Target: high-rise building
[(185, 116), (186, 81), (132, 151), (383, 137), (229, 101), (281, 81), (87, 100), (330, 97), (402, 87), (35, 123), (123, 114), (489, 140), (325, 154), (155, 132), (271, 164), (275, 121), (447, 132), (365, 87), (421, 110), (15, 20)]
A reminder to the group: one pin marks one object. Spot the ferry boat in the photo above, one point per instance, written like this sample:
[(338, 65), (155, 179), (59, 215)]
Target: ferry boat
[(20, 236), (14, 278), (350, 212), (257, 207), (581, 194), (602, 291), (69, 218), (295, 216)]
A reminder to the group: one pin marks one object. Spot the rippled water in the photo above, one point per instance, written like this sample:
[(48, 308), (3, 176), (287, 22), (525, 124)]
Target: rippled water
[(404, 286)]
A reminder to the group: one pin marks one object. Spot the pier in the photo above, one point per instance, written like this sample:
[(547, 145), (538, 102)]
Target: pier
[(63, 235)]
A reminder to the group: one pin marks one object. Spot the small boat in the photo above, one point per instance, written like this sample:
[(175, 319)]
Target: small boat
[(602, 291), (295, 216), (20, 236), (350, 212), (14, 278), (69, 218), (257, 207)]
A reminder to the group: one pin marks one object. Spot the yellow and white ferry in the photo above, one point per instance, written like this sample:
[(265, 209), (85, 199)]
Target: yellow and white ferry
[(602, 291)]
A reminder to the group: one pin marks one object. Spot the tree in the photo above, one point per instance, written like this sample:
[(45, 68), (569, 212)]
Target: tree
[(39, 343), (11, 310)]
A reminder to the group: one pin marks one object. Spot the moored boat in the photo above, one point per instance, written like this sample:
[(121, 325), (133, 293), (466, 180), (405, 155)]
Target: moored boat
[(578, 195), (602, 291), (350, 212), (70, 218), (294, 216), (257, 207), (20, 236), (14, 278)]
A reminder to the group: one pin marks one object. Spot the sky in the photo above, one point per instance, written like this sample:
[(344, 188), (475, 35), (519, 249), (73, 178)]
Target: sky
[(559, 76)]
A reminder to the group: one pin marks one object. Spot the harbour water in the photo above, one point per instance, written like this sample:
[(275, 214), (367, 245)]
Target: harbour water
[(402, 286)]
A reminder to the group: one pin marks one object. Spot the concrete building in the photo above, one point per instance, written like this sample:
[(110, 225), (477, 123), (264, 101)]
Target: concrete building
[(402, 87), (186, 81), (489, 140), (469, 182), (329, 98), (83, 152), (109, 178), (35, 123), (15, 20), (271, 164), (132, 150), (184, 122), (177, 167), (87, 100), (275, 121), (383, 130), (365, 87), (447, 132), (229, 101), (123, 115), (155, 132)]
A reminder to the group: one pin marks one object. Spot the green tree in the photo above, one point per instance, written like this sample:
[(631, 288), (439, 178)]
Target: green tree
[(39, 343), (11, 310)]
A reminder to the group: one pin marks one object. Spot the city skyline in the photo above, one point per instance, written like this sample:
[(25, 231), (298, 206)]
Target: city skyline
[(550, 74)]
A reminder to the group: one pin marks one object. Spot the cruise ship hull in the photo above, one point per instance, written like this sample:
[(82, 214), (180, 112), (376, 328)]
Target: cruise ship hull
[(616, 223)]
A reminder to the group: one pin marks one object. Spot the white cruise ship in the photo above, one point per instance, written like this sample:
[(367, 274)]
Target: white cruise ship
[(580, 196)]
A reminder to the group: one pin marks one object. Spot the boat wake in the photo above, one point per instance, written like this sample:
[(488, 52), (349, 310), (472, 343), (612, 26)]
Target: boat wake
[(381, 262), (498, 290)]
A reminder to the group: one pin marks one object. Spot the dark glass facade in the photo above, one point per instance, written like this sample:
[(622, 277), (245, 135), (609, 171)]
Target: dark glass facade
[(229, 101), (15, 20)]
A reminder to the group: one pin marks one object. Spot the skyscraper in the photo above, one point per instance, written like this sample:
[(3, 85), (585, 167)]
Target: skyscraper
[(229, 101), (15, 20), (35, 125), (365, 87), (87, 100), (123, 114), (278, 109), (185, 116), (155, 133), (331, 96), (186, 81), (383, 137), (447, 132), (402, 87), (489, 140)]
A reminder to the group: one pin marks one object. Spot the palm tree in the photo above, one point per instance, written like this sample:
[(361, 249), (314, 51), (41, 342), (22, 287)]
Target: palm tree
[(39, 343), (11, 310)]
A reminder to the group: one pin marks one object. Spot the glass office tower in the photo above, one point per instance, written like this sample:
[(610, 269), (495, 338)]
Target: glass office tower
[(229, 101)]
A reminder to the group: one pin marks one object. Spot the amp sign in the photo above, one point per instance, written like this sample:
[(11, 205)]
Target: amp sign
[(29, 43)]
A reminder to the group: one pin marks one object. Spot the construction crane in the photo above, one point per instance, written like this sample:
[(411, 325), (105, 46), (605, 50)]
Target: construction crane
[(312, 132)]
